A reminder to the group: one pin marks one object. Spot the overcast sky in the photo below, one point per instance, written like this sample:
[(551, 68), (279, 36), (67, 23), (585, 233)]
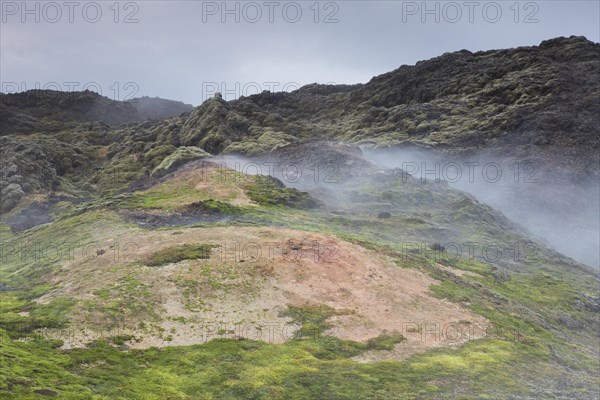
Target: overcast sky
[(185, 50)]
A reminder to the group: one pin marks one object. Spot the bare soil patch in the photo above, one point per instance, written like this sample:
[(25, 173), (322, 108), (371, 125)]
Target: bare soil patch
[(252, 276)]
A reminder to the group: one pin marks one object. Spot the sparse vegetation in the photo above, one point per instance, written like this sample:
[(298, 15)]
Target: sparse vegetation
[(84, 262)]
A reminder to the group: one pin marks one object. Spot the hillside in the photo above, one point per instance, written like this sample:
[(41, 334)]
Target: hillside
[(50, 111), (530, 108), (270, 248), (155, 107), (535, 103), (345, 279)]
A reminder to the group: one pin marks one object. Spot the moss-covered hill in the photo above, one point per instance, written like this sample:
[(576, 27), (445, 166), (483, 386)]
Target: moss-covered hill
[(516, 102), (529, 104), (112, 236), (52, 111), (130, 296)]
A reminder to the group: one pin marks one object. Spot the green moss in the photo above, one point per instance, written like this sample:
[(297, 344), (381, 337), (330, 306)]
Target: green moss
[(384, 342), (299, 370), (179, 157), (54, 314), (5, 232), (180, 253), (120, 340), (118, 174), (263, 144), (312, 319), (266, 191), (220, 207), (34, 367)]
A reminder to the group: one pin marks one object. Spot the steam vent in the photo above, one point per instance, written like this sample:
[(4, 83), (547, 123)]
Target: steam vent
[(362, 216)]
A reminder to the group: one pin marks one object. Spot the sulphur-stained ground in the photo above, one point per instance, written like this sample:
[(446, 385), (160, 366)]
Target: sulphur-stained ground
[(208, 258), (278, 246), (242, 289)]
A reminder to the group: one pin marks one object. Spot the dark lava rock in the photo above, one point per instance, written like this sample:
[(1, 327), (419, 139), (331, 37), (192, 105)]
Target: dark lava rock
[(202, 211), (46, 392), (3, 287), (571, 322), (437, 247), (37, 213)]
